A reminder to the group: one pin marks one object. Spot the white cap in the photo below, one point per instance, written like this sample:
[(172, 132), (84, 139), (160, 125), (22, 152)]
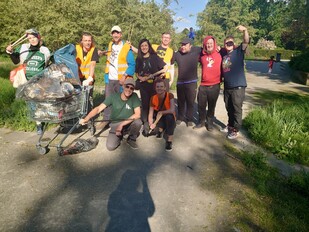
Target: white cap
[(116, 28)]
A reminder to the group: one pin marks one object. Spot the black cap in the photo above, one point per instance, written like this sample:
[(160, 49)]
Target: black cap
[(186, 41)]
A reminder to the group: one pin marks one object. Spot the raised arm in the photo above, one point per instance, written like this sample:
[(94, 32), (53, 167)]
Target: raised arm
[(246, 39)]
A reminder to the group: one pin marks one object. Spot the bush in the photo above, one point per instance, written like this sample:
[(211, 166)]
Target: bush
[(255, 53), (266, 44), (301, 61)]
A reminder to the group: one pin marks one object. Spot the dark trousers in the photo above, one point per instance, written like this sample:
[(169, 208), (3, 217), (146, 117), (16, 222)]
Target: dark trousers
[(234, 99), (167, 123), (113, 141), (110, 88), (147, 91), (207, 96), (186, 94)]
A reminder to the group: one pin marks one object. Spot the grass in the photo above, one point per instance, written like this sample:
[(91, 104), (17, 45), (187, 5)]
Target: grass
[(269, 202), (282, 126)]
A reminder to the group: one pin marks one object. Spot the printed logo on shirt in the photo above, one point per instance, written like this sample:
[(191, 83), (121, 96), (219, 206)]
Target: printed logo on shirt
[(128, 107), (226, 63), (210, 61), (161, 53)]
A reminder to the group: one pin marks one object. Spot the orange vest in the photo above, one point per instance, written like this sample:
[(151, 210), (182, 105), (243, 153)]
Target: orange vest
[(167, 102), (122, 59), (83, 64)]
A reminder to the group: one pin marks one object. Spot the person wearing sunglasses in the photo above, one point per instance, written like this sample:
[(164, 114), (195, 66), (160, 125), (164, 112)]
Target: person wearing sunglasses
[(234, 81), (125, 116)]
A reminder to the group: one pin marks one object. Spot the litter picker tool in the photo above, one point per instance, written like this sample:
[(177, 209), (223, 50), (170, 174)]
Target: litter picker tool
[(155, 122), (20, 40)]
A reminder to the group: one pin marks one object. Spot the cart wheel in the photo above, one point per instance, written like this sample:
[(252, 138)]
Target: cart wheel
[(41, 150), (60, 151)]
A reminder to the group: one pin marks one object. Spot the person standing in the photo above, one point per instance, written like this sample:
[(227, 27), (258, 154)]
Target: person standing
[(271, 64), (149, 66), (191, 34), (34, 54), (86, 58), (234, 81), (162, 113), (167, 55), (187, 59), (125, 116), (120, 64), (209, 88)]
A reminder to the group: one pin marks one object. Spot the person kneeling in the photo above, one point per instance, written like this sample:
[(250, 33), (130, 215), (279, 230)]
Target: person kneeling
[(162, 113), (125, 116)]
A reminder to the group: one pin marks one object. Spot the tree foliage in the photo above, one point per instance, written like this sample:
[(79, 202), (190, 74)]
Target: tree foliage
[(283, 21), (61, 22)]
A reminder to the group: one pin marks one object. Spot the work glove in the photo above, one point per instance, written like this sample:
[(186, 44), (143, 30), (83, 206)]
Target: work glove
[(87, 81)]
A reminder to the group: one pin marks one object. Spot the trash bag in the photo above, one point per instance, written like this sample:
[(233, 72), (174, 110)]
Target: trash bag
[(81, 145)]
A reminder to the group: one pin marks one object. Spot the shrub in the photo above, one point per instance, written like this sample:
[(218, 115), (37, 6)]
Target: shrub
[(266, 44), (301, 61)]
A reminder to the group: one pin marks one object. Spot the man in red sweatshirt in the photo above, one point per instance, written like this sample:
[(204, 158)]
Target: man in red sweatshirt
[(209, 88)]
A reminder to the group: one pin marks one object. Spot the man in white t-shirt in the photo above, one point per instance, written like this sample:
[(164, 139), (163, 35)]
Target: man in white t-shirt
[(120, 64)]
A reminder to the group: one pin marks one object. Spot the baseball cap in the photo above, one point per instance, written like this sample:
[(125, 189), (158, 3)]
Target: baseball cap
[(116, 28), (129, 81), (34, 32), (186, 41)]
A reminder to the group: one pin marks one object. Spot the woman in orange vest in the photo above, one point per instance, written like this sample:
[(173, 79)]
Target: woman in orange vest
[(162, 113)]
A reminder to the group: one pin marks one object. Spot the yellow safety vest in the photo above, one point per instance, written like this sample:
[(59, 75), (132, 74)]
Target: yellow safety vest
[(83, 64), (122, 59), (167, 59)]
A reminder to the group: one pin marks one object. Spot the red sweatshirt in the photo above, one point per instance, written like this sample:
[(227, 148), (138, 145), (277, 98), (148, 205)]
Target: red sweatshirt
[(211, 64)]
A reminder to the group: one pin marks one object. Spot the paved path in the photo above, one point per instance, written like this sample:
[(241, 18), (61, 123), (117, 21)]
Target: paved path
[(191, 188)]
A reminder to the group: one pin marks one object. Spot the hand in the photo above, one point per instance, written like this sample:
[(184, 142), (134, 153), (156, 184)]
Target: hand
[(82, 121), (122, 79), (152, 126), (151, 77), (218, 48), (119, 130), (241, 28), (88, 81), (9, 49)]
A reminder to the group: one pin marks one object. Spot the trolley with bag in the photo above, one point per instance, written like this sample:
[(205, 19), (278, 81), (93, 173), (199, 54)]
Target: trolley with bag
[(56, 96)]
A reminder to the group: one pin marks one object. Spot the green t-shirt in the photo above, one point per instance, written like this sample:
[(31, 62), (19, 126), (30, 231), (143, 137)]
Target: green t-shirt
[(122, 109)]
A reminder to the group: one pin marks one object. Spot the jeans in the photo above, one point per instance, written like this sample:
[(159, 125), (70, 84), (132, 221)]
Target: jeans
[(186, 94), (234, 99), (133, 129), (207, 96)]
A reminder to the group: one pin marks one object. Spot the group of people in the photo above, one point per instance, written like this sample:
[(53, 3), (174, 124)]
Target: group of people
[(154, 68)]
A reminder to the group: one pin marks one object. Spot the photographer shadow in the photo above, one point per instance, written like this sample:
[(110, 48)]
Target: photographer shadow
[(131, 204)]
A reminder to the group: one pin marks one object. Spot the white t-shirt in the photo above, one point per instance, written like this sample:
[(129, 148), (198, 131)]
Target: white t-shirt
[(113, 59)]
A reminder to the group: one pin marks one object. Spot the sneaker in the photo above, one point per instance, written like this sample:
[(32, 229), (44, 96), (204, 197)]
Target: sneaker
[(232, 135), (225, 129), (210, 126), (132, 143), (168, 146), (39, 129), (178, 122), (159, 135), (190, 124), (199, 126)]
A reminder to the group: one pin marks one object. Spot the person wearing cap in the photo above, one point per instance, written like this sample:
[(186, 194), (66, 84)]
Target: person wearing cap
[(125, 116), (234, 81), (187, 59), (149, 66), (209, 89), (120, 64), (167, 55), (34, 54)]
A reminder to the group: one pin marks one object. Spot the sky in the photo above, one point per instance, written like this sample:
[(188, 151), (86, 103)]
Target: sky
[(186, 13)]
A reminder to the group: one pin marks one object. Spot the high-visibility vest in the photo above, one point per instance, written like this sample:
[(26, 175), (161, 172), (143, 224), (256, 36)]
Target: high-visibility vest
[(122, 59), (167, 59), (167, 102), (83, 64)]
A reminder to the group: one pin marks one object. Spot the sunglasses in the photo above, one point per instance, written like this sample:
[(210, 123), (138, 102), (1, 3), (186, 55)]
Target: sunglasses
[(229, 43), (129, 87)]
